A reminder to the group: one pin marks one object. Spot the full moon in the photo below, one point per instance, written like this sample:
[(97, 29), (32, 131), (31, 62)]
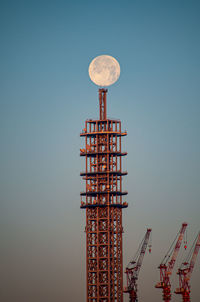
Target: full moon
[(104, 70)]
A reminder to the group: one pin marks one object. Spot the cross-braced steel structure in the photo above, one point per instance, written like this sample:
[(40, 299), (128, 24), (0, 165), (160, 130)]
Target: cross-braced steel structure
[(103, 202)]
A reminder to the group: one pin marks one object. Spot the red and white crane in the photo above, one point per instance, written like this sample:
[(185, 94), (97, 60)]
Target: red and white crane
[(167, 265), (186, 269), (133, 268)]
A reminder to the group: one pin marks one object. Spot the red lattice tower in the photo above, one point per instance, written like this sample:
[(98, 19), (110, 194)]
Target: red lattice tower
[(102, 200)]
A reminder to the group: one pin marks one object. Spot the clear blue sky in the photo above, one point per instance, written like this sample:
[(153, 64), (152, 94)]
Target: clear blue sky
[(45, 97)]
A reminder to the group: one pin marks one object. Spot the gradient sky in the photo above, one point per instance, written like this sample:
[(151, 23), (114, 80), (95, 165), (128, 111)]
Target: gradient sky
[(45, 97)]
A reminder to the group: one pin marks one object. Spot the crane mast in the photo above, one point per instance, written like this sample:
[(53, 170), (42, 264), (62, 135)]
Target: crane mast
[(185, 271), (166, 267), (133, 268)]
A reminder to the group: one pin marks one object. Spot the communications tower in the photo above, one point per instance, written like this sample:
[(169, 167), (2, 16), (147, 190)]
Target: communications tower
[(103, 202)]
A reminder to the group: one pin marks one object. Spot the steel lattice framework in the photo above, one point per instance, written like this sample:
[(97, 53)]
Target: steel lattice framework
[(103, 202)]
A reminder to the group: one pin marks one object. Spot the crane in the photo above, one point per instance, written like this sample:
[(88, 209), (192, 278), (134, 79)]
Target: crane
[(166, 266), (133, 268), (186, 269)]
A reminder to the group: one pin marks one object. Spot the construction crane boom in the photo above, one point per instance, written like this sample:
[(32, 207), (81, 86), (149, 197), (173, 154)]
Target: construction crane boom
[(194, 256), (166, 266), (186, 269), (176, 249), (134, 266)]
